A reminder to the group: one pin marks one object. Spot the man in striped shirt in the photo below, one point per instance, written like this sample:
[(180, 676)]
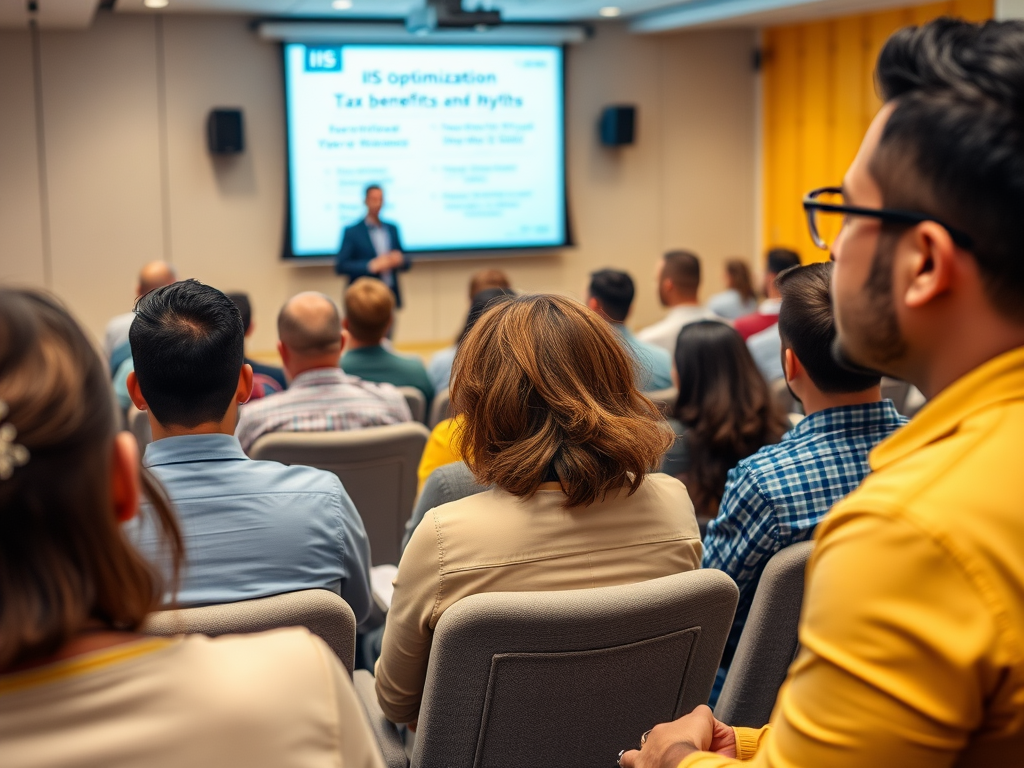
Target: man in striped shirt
[(320, 396)]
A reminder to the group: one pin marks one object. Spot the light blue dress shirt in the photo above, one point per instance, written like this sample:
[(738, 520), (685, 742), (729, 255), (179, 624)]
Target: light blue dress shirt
[(440, 368), (655, 363), (255, 528), (766, 349)]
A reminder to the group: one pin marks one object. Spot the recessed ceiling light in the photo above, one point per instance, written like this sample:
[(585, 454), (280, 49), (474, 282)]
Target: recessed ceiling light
[(610, 11), (341, 5), (155, 3)]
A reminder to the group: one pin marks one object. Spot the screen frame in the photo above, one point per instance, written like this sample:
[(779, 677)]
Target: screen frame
[(429, 254)]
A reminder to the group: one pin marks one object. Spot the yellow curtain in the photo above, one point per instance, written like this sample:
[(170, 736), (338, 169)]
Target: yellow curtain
[(818, 99)]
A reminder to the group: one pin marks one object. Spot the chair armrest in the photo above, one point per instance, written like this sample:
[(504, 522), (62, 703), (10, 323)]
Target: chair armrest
[(388, 738)]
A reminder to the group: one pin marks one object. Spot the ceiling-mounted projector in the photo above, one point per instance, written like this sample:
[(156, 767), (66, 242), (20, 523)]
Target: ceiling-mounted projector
[(448, 14)]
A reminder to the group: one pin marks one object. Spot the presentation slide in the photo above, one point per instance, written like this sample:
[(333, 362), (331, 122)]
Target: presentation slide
[(466, 141)]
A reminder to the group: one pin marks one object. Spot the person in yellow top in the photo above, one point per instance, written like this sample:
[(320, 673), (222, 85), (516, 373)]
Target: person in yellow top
[(441, 449), (912, 633)]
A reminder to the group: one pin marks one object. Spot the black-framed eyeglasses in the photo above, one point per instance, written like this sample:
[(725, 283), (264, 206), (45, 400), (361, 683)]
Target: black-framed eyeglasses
[(827, 213)]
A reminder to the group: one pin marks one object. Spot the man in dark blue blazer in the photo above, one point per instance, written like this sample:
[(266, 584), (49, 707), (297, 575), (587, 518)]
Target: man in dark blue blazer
[(372, 247)]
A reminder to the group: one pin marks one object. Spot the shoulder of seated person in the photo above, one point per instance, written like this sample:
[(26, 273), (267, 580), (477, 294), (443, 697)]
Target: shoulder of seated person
[(288, 658)]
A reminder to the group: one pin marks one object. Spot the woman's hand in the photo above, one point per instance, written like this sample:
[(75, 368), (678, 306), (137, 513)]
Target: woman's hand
[(667, 744)]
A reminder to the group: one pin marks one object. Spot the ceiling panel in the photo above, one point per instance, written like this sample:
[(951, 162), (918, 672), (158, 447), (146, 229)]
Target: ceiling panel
[(51, 14), (512, 10)]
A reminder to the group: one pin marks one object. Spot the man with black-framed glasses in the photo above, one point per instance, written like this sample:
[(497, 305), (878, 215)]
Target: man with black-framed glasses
[(912, 632)]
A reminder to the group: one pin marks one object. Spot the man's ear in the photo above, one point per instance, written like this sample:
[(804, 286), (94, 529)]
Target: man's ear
[(282, 350), (593, 304), (344, 324), (135, 392), (791, 366), (250, 329), (927, 259), (124, 480), (244, 391), (344, 338)]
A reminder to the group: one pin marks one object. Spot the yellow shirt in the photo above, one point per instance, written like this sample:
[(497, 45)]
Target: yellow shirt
[(273, 700), (912, 634), (495, 542), (439, 449)]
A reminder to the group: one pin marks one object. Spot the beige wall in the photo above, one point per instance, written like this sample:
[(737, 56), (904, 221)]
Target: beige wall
[(688, 182)]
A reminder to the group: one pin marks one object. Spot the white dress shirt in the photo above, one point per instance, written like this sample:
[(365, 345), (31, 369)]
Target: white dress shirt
[(665, 332)]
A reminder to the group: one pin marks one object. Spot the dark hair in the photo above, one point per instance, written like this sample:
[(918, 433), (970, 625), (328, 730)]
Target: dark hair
[(739, 276), (481, 303), (781, 259), (953, 147), (64, 562), (547, 392), (370, 187), (725, 405), (807, 326), (188, 345), (241, 301), (683, 269), (614, 291)]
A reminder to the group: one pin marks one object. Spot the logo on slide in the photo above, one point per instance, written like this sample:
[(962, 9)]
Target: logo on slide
[(323, 59)]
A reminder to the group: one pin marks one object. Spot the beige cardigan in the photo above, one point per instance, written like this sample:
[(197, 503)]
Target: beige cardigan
[(278, 699), (495, 542)]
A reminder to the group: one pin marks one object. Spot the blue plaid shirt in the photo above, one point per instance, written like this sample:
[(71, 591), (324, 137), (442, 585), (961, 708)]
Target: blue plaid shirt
[(777, 496)]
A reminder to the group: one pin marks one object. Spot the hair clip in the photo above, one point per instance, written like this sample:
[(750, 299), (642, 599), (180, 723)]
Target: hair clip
[(12, 455)]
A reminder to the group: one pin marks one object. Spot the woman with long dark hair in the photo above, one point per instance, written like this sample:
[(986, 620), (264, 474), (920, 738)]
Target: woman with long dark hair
[(724, 412)]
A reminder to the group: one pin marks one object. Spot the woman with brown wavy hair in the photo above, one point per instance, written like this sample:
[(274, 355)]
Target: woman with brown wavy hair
[(80, 685), (553, 422), (725, 411)]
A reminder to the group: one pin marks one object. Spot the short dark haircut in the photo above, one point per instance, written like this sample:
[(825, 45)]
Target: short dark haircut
[(370, 188), (683, 269), (614, 291), (953, 147), (781, 259), (807, 326), (241, 300), (188, 344)]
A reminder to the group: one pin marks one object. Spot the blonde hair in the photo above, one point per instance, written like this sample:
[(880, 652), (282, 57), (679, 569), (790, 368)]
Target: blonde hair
[(369, 305), (546, 391)]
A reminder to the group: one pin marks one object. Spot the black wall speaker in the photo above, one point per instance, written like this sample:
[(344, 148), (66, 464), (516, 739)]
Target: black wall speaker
[(617, 125), (224, 131)]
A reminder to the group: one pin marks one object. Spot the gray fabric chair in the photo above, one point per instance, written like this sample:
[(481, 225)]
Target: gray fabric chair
[(665, 399), (138, 425), (769, 641), (322, 612), (447, 483), (563, 678), (377, 466), (439, 409), (417, 403)]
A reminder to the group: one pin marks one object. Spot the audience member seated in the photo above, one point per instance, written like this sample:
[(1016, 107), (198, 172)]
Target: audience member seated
[(369, 309), (320, 397), (767, 314), (739, 299), (154, 275), (267, 379), (440, 367), (610, 294), (678, 287), (251, 528), (80, 685), (912, 617), (777, 496), (724, 412), (553, 421)]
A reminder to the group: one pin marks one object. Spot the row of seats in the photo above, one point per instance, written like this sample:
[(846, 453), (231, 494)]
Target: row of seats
[(504, 664)]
